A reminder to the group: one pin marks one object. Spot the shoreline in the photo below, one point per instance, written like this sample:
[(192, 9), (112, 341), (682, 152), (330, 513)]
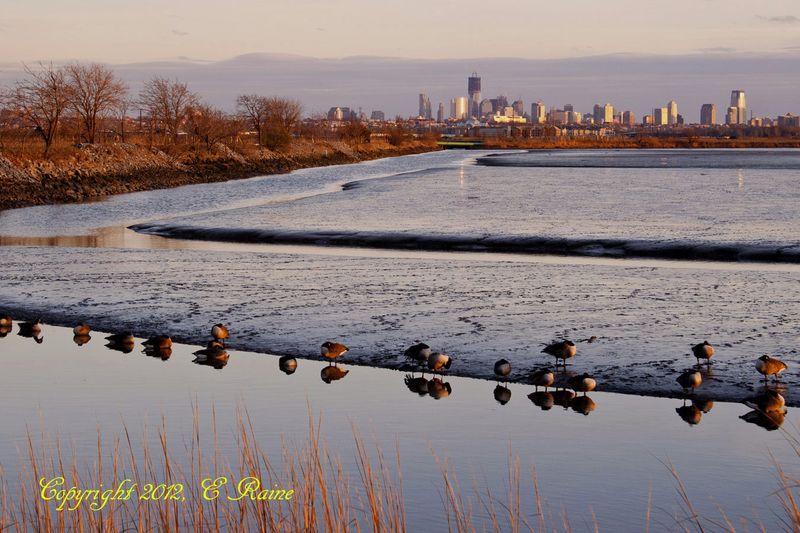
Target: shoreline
[(97, 171)]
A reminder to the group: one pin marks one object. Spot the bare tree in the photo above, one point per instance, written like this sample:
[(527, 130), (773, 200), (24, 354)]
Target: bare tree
[(96, 92), (41, 99), (282, 118), (253, 110), (212, 125), (168, 103)]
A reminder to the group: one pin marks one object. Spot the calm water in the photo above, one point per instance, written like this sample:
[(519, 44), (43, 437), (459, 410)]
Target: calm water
[(580, 459)]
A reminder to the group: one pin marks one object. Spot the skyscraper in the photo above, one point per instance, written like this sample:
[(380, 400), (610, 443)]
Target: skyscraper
[(738, 101), (519, 107), (660, 116), (425, 106), (672, 113), (474, 91), (732, 116), (440, 113), (459, 108), (708, 114), (538, 113)]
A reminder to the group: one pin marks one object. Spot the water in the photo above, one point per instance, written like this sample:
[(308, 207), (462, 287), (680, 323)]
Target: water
[(616, 449)]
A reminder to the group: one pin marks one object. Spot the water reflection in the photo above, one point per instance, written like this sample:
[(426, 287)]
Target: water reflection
[(417, 385), (31, 330), (502, 394), (287, 365), (121, 342), (438, 389), (543, 400), (159, 353), (80, 340), (4, 330), (769, 421), (689, 414), (563, 397), (583, 405), (332, 373), (216, 362)]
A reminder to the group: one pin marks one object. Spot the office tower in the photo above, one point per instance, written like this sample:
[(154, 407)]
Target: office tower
[(732, 116), (568, 107), (573, 117), (660, 116), (538, 113), (474, 91), (377, 115), (608, 114), (485, 108), (672, 113), (597, 113), (459, 108), (647, 120), (708, 114), (440, 113), (738, 101), (628, 118), (425, 106), (519, 107), (340, 113)]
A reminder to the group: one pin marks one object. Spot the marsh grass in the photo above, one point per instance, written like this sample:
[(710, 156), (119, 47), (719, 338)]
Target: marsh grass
[(327, 496)]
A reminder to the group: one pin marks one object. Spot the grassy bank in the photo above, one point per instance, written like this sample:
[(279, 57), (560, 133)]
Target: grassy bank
[(91, 171)]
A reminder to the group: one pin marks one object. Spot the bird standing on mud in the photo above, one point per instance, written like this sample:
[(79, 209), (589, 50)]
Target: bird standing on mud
[(584, 383), (418, 353), (770, 366), (438, 362), (332, 350), (561, 350), (502, 368), (690, 380), (704, 350), (542, 378), (220, 332)]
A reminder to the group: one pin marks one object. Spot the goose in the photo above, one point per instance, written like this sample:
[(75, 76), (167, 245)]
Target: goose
[(158, 341), (690, 380), (561, 350), (543, 400), (418, 385), (704, 350), (584, 383), (770, 366), (543, 378), (81, 329), (332, 373), (5, 321), (219, 332), (438, 362), (332, 350), (502, 394), (419, 353), (287, 364), (769, 401), (583, 405), (438, 389), (502, 368)]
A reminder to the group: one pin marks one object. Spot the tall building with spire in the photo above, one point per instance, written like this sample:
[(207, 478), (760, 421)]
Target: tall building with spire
[(474, 92)]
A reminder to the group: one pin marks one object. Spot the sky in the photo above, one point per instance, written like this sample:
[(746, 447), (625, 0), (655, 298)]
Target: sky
[(198, 39)]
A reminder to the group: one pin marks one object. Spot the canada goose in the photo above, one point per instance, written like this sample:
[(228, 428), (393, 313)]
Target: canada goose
[(767, 402), (543, 378), (690, 414), (287, 364), (159, 341), (5, 320), (584, 383), (704, 350), (80, 340), (704, 404), (30, 329), (81, 329), (563, 397), (219, 332), (690, 380), (770, 366), (418, 385), (438, 389), (502, 394), (583, 405), (332, 373), (418, 353), (332, 350), (544, 400), (502, 368), (439, 361), (561, 350), (769, 421)]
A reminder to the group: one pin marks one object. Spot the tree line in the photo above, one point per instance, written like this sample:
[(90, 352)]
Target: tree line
[(88, 95)]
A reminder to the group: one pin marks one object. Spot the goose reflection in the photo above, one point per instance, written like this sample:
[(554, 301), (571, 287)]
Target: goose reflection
[(769, 421), (330, 374), (704, 404), (215, 357), (563, 397), (5, 320), (158, 353), (502, 394), (80, 340), (121, 342), (287, 364), (417, 385), (542, 399), (31, 330), (690, 414), (438, 389), (583, 405), (4, 330)]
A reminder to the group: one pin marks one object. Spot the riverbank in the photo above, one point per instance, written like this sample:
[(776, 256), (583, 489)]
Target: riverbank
[(92, 171), (586, 143)]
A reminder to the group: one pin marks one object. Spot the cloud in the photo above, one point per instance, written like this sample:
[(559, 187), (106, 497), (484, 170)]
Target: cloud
[(179, 33), (716, 50), (781, 19)]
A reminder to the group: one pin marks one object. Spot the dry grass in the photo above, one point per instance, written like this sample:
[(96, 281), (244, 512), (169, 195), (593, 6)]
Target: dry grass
[(326, 497)]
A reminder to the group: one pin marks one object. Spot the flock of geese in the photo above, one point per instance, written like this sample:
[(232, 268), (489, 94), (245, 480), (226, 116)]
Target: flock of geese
[(769, 403)]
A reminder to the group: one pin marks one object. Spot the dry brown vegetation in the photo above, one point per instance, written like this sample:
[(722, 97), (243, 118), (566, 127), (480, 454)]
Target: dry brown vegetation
[(326, 497)]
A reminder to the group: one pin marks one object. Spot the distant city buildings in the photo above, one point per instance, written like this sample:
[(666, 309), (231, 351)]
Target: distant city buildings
[(459, 108), (378, 116), (708, 114), (603, 114), (628, 119), (440, 113), (425, 110), (740, 104), (660, 116), (538, 113), (672, 113), (474, 92), (341, 113)]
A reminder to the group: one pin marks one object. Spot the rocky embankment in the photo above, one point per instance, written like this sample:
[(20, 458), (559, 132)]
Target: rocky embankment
[(93, 170)]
